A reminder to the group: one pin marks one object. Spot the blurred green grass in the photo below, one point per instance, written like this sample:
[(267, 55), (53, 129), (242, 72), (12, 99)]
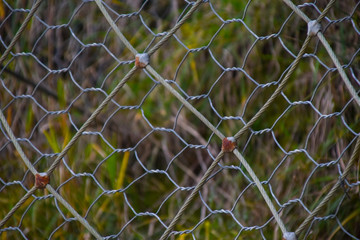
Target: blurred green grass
[(235, 94)]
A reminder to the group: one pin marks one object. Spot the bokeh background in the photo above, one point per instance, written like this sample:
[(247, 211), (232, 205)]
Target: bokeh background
[(133, 168)]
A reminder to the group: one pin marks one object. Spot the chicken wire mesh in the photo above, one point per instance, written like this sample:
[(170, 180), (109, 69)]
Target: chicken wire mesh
[(213, 66)]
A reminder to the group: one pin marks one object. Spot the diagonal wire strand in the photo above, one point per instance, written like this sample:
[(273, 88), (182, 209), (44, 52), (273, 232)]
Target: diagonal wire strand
[(176, 27), (238, 154), (200, 116), (277, 91), (21, 30), (333, 190), (17, 206), (328, 48), (90, 120), (34, 188), (16, 144), (82, 220), (203, 179), (194, 110), (115, 28), (18, 147), (353, 93), (286, 78), (192, 195)]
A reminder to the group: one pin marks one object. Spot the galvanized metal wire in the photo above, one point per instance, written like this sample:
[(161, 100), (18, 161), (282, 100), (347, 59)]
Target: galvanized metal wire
[(141, 145)]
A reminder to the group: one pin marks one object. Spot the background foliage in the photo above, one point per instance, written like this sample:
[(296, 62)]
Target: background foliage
[(71, 58)]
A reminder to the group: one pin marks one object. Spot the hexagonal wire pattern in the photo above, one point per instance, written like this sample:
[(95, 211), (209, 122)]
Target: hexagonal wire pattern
[(136, 153)]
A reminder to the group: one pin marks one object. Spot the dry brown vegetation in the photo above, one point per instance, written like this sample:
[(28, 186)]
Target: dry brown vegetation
[(68, 59)]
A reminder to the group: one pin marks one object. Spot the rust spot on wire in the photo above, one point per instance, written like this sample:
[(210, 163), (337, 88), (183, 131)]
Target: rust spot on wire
[(142, 60), (228, 144), (41, 180)]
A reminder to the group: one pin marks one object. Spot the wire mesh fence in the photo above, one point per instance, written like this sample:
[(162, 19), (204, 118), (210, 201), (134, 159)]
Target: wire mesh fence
[(244, 123)]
